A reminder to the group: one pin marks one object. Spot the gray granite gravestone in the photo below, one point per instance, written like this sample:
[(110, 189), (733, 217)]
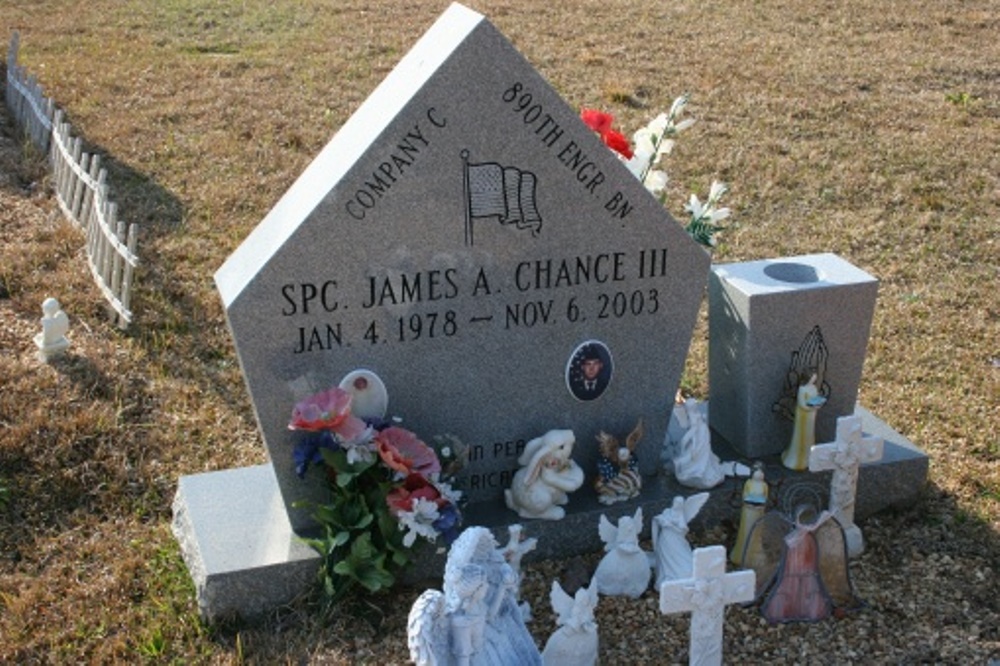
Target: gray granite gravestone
[(468, 239), (773, 323), (465, 237)]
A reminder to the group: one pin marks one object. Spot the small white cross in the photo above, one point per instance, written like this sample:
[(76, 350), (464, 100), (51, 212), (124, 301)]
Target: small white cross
[(705, 595), (844, 456)]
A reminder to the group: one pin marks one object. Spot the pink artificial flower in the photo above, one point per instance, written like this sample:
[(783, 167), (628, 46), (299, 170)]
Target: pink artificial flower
[(415, 487), (598, 121), (329, 410), (402, 451)]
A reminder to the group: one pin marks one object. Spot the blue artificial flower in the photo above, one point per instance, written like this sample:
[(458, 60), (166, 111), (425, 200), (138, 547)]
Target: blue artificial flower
[(308, 450), (448, 522)]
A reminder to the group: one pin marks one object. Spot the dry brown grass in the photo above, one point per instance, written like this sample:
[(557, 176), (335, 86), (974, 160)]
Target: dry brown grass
[(869, 129)]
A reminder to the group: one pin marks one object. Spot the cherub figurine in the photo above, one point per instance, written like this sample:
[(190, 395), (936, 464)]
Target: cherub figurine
[(575, 642), (547, 475), (618, 476), (475, 620), (801, 566), (695, 464), (672, 551), (52, 341), (624, 570)]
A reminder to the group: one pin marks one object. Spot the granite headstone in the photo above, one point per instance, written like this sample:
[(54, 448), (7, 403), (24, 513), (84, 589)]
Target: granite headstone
[(469, 240)]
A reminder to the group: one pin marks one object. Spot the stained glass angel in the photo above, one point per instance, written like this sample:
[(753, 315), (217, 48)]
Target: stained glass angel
[(801, 566)]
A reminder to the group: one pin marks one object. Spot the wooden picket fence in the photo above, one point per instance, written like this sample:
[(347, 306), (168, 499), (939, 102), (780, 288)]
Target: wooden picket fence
[(80, 186)]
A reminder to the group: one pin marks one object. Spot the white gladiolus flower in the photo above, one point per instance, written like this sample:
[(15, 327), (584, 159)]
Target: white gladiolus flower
[(656, 182), (716, 191)]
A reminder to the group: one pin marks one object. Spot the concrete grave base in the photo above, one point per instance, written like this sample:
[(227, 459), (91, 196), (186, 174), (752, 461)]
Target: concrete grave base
[(238, 544), (244, 558)]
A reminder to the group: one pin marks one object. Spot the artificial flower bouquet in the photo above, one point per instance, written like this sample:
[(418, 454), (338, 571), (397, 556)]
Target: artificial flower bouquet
[(387, 488), (643, 159)]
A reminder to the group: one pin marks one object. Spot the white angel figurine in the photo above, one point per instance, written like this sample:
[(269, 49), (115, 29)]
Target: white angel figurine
[(624, 570), (673, 555), (475, 619), (695, 464), (547, 475), (575, 642)]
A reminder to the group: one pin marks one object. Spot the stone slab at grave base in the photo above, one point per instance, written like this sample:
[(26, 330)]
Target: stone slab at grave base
[(238, 544), (244, 558)]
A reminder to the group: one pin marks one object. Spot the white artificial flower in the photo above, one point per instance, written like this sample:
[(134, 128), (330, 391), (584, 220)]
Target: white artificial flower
[(360, 448), (695, 207), (419, 521), (448, 492), (637, 164), (656, 181), (716, 191)]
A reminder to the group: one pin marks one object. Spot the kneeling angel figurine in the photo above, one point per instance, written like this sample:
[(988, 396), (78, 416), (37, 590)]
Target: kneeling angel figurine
[(695, 464)]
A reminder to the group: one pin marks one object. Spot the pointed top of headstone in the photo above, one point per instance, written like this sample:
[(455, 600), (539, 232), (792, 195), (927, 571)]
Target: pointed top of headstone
[(470, 241)]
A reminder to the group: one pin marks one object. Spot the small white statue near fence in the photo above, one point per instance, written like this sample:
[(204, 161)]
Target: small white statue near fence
[(52, 341)]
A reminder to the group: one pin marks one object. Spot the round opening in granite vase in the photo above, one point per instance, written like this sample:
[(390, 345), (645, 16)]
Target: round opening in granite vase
[(789, 271)]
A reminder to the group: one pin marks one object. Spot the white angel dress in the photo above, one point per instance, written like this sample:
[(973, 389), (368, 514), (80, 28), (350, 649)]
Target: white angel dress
[(674, 558)]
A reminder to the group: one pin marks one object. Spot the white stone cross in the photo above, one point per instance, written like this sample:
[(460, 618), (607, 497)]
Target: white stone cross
[(844, 456), (706, 595)]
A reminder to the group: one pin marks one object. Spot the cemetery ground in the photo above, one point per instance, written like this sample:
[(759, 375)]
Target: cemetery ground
[(868, 129)]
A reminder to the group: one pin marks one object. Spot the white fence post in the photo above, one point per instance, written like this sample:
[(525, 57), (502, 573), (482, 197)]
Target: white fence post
[(80, 187)]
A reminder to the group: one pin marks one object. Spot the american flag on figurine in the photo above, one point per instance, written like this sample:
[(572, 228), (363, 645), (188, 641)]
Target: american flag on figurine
[(507, 193)]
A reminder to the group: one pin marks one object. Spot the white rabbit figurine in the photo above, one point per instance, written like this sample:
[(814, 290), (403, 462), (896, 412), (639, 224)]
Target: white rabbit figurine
[(547, 475)]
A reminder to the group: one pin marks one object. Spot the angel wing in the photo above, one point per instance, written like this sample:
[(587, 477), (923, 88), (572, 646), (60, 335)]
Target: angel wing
[(765, 548), (607, 532), (693, 504), (833, 565), (562, 604), (426, 634)]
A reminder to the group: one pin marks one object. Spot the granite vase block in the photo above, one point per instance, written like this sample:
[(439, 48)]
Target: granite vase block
[(773, 323)]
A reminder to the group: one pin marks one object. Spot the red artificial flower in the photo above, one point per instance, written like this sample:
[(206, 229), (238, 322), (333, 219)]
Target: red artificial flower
[(618, 143), (598, 121), (402, 451), (416, 486), (329, 410), (601, 123)]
